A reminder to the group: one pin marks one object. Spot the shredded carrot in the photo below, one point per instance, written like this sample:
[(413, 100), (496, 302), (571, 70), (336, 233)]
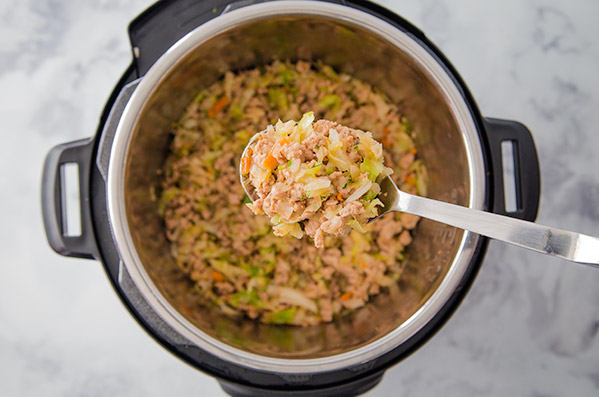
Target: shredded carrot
[(386, 131), (339, 197), (410, 181), (346, 296), (218, 106), (217, 276), (413, 150), (270, 162), (364, 265), (385, 141), (283, 141), (185, 310), (246, 161)]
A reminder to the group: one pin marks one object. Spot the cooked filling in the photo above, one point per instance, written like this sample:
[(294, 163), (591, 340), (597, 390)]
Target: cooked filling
[(321, 178), (231, 255)]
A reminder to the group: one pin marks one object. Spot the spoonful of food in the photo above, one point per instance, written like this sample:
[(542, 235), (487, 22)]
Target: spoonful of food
[(325, 178), (311, 178)]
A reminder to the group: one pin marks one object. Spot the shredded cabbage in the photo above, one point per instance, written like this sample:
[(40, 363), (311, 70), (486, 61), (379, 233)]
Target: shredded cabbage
[(292, 297), (360, 191)]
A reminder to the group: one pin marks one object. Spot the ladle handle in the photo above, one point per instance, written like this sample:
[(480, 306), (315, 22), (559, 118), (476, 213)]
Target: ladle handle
[(572, 246)]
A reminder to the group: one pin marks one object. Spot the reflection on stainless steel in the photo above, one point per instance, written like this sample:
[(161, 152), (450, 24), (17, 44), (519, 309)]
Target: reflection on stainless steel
[(358, 44), (572, 246)]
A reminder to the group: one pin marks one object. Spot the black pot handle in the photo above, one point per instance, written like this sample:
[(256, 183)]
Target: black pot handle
[(526, 168), (155, 30), (53, 207)]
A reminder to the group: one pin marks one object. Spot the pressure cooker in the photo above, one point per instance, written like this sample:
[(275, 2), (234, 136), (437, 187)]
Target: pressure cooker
[(180, 47)]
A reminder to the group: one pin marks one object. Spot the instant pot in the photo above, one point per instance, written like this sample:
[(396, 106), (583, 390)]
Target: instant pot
[(182, 46)]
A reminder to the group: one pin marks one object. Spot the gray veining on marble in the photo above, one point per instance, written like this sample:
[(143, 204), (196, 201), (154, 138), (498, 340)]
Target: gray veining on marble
[(529, 325)]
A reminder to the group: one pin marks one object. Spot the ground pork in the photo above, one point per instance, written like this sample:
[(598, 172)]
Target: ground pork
[(352, 209)]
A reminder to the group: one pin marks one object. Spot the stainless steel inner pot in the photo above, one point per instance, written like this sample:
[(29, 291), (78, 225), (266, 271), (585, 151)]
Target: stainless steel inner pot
[(351, 41)]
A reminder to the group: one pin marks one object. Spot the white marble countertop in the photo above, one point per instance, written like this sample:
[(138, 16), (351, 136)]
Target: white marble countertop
[(529, 325)]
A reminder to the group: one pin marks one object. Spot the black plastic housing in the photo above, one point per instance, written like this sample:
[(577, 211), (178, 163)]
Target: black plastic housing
[(151, 34)]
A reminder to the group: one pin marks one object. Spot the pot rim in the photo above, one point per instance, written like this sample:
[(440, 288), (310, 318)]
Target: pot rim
[(447, 86)]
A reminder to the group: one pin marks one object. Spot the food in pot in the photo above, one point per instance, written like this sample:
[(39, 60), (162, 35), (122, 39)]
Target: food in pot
[(230, 254), (321, 178)]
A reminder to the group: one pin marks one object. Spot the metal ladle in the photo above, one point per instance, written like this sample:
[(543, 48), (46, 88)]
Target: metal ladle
[(575, 247)]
